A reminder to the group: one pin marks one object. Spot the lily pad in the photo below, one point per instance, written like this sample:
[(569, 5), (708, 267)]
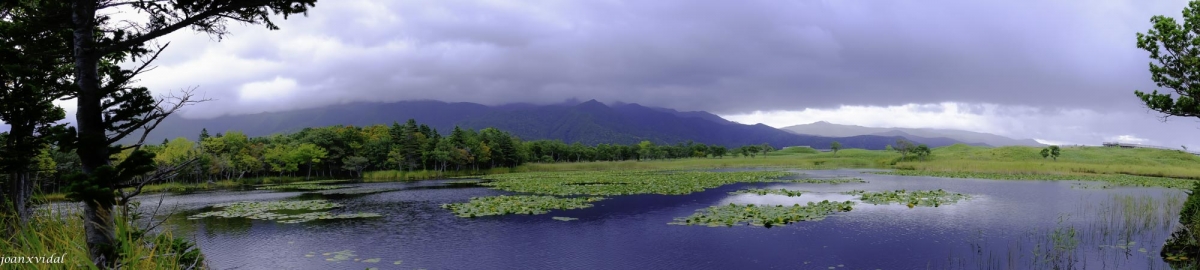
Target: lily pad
[(280, 211), (763, 215), (760, 191), (522, 204), (913, 198)]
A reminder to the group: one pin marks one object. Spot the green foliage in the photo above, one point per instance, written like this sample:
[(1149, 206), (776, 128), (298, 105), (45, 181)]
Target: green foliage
[(904, 147), (355, 163), (100, 186), (521, 204), (1176, 65), (1190, 215), (1184, 245), (1052, 151), (33, 73), (835, 146), (762, 215), (922, 151)]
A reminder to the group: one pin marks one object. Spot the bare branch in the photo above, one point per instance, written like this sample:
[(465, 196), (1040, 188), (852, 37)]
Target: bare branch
[(157, 115), (162, 173)]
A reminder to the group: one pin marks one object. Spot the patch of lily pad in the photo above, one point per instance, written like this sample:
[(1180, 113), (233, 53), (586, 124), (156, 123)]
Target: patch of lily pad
[(933, 198), (763, 191), (564, 218), (280, 211), (763, 215), (623, 182), (339, 255), (519, 204)]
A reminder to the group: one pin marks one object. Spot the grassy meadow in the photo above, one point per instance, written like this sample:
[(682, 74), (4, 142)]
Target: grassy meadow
[(1163, 167)]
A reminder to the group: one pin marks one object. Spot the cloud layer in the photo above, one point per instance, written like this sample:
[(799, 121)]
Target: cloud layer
[(1028, 61), (1049, 126)]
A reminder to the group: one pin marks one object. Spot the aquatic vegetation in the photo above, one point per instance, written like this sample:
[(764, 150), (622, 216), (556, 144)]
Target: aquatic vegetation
[(761, 191), (520, 204), (564, 218), (826, 181), (605, 183), (1109, 179), (762, 215), (933, 198), (339, 255), (280, 211)]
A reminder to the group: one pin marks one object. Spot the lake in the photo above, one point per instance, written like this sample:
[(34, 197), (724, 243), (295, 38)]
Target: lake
[(1018, 224)]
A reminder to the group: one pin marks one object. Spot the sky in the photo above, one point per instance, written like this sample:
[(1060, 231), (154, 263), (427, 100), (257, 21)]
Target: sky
[(1059, 71)]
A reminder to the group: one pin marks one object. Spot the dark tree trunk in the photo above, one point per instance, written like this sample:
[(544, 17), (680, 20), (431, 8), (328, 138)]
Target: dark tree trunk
[(93, 146), (17, 195)]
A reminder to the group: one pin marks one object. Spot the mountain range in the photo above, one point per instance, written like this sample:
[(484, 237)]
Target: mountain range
[(826, 129), (589, 122)]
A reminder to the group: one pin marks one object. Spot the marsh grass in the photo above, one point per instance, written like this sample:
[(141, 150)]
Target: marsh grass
[(1109, 180), (58, 231), (1074, 161), (1121, 233)]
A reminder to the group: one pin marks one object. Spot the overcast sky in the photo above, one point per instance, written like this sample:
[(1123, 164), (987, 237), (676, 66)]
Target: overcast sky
[(1060, 71)]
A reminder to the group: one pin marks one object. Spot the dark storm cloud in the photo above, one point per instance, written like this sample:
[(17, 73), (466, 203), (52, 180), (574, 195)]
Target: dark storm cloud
[(721, 56)]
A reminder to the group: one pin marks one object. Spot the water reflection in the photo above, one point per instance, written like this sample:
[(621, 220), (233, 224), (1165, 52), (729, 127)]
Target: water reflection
[(1005, 224)]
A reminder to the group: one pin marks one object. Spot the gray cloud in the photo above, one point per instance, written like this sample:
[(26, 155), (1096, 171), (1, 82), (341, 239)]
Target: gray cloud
[(722, 56)]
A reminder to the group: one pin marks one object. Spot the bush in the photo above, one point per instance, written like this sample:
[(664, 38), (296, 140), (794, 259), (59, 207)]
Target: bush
[(1183, 247)]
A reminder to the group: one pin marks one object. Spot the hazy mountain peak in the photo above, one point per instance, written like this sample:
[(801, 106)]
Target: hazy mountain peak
[(823, 128)]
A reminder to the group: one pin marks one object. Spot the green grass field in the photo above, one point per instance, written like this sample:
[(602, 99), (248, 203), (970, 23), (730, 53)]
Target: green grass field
[(1010, 162)]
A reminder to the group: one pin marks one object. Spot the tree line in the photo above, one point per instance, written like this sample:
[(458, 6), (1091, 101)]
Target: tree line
[(347, 151)]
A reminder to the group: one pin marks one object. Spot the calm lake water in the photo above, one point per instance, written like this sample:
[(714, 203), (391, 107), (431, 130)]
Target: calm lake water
[(1005, 223)]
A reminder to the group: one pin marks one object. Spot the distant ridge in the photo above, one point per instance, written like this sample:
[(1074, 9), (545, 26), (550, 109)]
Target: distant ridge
[(822, 128), (590, 122)]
